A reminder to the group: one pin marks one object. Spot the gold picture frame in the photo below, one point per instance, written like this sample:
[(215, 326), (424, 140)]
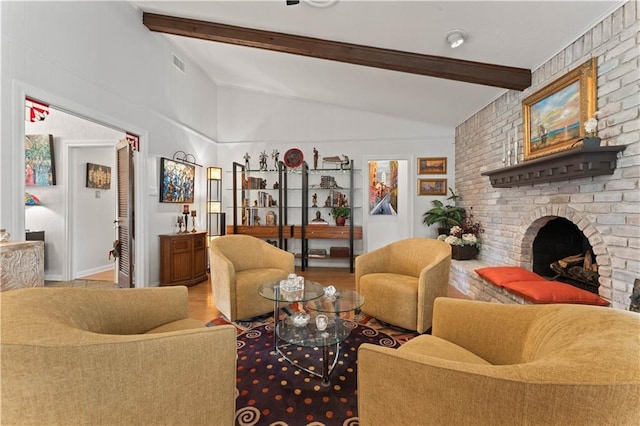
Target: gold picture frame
[(553, 118), (432, 186), (432, 165)]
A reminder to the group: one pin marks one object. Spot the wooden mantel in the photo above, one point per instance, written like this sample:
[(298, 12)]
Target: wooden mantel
[(571, 164)]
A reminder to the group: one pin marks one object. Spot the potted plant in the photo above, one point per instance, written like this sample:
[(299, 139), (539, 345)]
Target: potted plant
[(591, 139), (341, 214), (446, 216), (464, 239)]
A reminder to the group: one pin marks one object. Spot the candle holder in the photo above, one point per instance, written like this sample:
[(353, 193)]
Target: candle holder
[(186, 223), (179, 224), (193, 220)]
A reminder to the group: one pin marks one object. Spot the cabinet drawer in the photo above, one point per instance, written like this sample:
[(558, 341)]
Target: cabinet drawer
[(327, 232), (261, 231), (181, 244)]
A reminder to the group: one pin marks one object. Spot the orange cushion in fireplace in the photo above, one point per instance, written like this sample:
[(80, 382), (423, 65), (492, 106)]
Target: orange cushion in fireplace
[(501, 275), (542, 291)]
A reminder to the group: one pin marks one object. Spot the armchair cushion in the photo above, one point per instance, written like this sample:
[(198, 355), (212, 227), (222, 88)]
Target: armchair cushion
[(239, 265), (507, 364), (118, 356), (400, 281)]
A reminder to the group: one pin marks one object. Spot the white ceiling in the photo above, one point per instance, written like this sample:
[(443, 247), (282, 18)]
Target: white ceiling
[(522, 34)]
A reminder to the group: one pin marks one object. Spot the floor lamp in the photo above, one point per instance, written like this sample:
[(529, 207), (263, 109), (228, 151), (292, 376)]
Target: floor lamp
[(215, 216)]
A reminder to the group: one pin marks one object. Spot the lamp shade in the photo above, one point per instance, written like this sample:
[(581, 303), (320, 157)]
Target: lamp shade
[(214, 173), (214, 206)]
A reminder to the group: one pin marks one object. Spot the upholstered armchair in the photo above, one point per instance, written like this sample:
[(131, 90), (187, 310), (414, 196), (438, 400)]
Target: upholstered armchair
[(507, 364), (401, 280), (239, 265), (113, 357)]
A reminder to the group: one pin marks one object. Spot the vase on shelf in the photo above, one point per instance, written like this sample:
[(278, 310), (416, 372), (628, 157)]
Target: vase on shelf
[(340, 220), (592, 142), (464, 252)]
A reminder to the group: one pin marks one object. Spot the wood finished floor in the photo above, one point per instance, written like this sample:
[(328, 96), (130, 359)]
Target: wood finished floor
[(201, 305)]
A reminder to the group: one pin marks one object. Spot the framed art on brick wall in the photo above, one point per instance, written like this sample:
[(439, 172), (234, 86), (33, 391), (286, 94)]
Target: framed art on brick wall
[(554, 117)]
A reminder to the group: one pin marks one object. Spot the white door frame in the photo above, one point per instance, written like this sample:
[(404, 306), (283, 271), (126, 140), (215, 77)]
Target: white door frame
[(68, 198)]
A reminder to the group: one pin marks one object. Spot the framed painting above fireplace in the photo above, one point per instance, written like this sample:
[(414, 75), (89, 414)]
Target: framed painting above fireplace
[(553, 118)]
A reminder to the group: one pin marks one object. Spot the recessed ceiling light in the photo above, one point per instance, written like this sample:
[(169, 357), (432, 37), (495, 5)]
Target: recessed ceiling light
[(455, 38)]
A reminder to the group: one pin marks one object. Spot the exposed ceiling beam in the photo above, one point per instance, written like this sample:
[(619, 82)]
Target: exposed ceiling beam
[(414, 63)]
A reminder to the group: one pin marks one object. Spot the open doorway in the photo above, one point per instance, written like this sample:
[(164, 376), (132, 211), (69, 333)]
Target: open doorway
[(75, 219)]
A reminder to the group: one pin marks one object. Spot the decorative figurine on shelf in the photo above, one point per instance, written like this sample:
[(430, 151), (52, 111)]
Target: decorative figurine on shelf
[(263, 161), (193, 220), (263, 184), (276, 185), (327, 202), (275, 154), (314, 199), (318, 218), (246, 157), (270, 218), (343, 162), (315, 158)]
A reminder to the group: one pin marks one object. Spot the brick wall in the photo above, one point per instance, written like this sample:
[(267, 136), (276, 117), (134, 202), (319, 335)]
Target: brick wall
[(605, 208)]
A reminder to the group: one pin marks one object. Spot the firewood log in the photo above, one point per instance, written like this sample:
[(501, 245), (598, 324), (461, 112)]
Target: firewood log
[(571, 260)]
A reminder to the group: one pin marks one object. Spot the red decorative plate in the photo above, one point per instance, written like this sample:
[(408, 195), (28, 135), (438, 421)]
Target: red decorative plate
[(293, 157)]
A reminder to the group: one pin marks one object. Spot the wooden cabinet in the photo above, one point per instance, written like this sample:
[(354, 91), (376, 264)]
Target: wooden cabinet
[(21, 264), (183, 258)]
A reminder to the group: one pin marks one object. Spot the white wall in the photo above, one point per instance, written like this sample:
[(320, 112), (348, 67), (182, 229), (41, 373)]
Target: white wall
[(97, 59), (93, 212), (251, 122)]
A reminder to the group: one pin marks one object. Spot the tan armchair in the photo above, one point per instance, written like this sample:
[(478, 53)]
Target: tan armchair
[(239, 265), (401, 280), (501, 364), (111, 357)]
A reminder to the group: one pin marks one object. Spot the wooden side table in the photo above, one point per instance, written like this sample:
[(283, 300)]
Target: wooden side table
[(183, 258)]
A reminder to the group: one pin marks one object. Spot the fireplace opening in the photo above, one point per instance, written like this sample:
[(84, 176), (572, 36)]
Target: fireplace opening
[(563, 253)]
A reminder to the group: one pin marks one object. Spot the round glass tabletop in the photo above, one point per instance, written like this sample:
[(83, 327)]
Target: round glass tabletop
[(312, 290), (341, 301), (309, 336)]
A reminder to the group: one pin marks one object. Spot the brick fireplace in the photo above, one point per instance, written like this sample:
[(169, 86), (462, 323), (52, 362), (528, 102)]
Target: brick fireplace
[(606, 208)]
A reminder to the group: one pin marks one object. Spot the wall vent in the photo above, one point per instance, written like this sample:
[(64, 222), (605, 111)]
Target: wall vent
[(177, 62)]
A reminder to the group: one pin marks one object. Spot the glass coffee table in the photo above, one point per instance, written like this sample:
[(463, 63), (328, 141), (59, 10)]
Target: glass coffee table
[(301, 329)]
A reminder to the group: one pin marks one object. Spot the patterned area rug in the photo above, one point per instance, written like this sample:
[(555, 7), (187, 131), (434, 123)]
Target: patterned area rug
[(273, 392)]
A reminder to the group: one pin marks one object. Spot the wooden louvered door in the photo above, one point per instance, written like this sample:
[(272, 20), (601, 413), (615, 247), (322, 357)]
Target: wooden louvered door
[(126, 214)]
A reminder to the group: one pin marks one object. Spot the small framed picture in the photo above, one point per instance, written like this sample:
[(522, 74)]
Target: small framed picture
[(432, 165), (98, 176), (432, 187)]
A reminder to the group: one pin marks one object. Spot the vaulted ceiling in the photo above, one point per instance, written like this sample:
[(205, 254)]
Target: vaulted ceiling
[(513, 34)]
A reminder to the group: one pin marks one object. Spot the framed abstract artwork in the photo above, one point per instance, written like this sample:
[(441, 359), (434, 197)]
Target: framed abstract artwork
[(39, 160), (432, 166), (553, 118), (177, 181), (98, 176), (432, 187)]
